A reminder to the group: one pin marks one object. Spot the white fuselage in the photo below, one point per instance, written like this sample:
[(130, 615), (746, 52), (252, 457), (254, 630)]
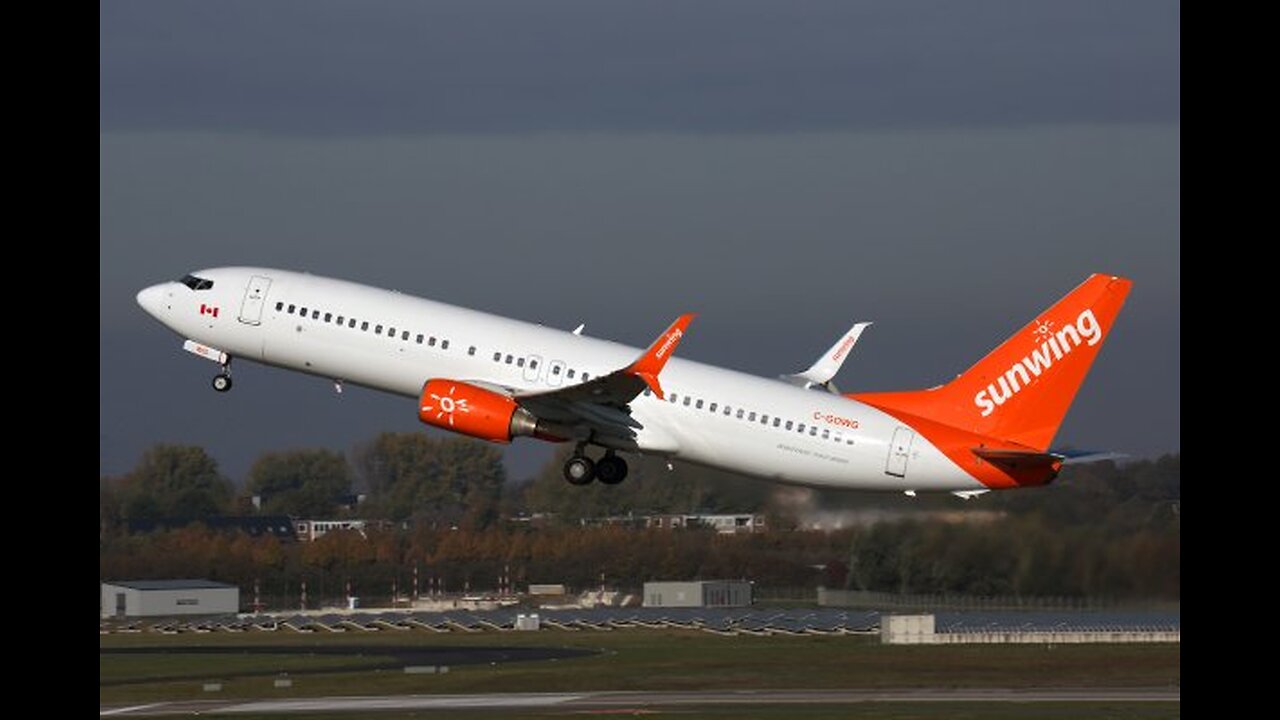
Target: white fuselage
[(711, 416)]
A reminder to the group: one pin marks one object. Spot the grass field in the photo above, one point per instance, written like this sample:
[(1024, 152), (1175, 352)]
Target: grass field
[(626, 660)]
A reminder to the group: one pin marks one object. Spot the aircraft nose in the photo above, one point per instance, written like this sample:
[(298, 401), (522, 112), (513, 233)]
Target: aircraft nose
[(152, 299)]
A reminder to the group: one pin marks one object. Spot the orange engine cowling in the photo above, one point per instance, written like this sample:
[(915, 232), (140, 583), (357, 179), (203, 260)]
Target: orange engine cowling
[(473, 411)]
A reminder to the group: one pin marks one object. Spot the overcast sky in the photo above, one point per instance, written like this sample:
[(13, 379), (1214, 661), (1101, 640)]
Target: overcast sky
[(944, 169)]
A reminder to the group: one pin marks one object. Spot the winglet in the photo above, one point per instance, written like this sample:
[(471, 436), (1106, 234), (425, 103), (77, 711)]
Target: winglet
[(650, 364), (829, 364)]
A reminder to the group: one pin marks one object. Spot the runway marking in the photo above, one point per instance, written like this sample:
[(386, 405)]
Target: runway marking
[(411, 702), (123, 710)]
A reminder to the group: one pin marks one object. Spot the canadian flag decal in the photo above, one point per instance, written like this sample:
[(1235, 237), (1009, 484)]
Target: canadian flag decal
[(209, 310)]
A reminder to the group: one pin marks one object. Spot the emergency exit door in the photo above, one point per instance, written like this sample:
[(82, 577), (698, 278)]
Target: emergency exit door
[(899, 451)]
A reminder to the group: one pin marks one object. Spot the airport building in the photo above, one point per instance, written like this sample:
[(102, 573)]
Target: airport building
[(698, 593), (162, 598)]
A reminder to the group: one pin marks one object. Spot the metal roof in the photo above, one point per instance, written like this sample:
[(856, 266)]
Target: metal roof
[(171, 584)]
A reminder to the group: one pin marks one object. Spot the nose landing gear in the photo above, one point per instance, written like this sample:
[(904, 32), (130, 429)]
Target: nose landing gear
[(222, 382)]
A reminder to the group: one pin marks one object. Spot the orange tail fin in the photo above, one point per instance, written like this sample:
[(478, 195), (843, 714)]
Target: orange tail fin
[(1021, 390)]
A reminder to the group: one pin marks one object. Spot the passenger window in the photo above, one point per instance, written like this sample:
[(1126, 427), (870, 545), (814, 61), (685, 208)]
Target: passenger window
[(647, 392), (777, 422), (699, 404), (472, 351), (279, 306), (800, 428), (404, 335), (533, 364), (351, 323), (789, 424), (510, 359), (365, 326), (391, 332), (826, 433), (377, 330), (328, 317), (519, 362), (727, 410), (315, 314), (341, 320), (849, 441), (291, 309), (752, 417), (302, 312), (432, 342), (586, 377), (673, 397), (713, 407), (571, 373), (497, 357), (764, 419), (420, 337), (444, 344), (739, 413), (686, 400), (813, 429), (555, 369)]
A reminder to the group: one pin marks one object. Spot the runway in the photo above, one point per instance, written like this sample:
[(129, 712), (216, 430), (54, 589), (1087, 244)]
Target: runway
[(622, 701)]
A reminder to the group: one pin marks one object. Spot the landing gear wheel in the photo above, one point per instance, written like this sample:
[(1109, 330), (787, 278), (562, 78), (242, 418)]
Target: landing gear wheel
[(611, 470), (222, 383), (579, 470)]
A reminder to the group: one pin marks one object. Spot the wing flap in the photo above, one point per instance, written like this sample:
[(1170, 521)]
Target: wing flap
[(601, 403)]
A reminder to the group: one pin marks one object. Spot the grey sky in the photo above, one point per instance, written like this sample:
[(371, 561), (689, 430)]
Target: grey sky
[(782, 168)]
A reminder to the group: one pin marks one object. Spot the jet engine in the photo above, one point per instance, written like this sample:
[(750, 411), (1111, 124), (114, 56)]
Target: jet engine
[(474, 411)]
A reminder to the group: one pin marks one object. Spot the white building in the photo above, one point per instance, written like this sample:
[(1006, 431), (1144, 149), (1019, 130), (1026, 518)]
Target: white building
[(308, 530), (698, 593), (162, 598)]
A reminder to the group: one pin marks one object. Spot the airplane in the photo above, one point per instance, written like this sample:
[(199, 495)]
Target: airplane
[(496, 378)]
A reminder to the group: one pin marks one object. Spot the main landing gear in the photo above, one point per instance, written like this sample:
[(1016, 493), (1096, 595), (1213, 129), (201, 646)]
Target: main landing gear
[(581, 470)]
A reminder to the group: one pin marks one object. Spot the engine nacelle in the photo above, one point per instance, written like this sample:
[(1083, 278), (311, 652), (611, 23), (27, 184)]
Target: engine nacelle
[(474, 411)]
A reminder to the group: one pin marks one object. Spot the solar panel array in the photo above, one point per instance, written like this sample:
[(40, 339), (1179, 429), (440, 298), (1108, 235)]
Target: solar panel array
[(726, 621)]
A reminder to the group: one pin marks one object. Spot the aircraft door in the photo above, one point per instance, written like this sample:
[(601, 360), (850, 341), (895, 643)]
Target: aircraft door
[(255, 296), (899, 450)]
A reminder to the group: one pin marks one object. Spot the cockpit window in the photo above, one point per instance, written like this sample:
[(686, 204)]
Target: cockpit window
[(196, 283)]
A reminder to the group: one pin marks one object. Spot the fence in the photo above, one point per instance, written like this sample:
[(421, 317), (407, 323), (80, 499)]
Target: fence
[(894, 601)]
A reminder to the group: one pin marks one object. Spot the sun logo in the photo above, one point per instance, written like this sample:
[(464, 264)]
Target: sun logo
[(1044, 328), (447, 405)]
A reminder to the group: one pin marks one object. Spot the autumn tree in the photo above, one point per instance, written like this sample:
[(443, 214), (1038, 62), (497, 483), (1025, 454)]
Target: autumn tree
[(302, 483), (175, 481), (443, 482)]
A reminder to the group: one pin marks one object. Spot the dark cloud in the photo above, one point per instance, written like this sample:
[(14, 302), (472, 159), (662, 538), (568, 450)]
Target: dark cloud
[(740, 66), (784, 168)]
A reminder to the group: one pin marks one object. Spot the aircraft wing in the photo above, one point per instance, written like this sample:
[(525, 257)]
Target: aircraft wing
[(602, 403), (829, 363)]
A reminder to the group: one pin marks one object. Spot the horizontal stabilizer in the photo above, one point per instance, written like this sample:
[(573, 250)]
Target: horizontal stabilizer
[(1013, 456), (1082, 457)]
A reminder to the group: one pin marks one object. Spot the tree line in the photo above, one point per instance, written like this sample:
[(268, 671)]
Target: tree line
[(1103, 529)]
